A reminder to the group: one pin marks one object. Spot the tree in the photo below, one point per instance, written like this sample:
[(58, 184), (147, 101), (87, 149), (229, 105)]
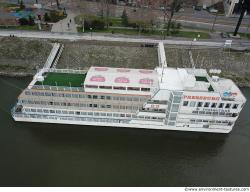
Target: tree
[(23, 21), (124, 18), (46, 17), (175, 6), (143, 15), (22, 6), (57, 4), (106, 8), (31, 21)]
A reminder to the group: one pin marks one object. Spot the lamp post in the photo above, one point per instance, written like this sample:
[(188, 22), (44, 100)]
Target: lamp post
[(214, 22), (192, 43), (91, 32)]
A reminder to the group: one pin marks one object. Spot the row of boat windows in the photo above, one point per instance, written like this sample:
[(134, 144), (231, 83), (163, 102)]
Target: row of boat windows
[(211, 105), (73, 118), (118, 88), (84, 105), (211, 121), (65, 112), (215, 113), (153, 110), (72, 95)]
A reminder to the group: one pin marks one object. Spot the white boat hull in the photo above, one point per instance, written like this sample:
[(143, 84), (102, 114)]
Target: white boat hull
[(58, 120)]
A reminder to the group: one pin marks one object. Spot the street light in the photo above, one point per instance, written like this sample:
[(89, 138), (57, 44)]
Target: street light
[(192, 43), (194, 40), (91, 32)]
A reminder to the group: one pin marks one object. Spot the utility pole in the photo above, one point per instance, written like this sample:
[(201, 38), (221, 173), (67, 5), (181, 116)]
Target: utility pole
[(245, 5), (214, 22)]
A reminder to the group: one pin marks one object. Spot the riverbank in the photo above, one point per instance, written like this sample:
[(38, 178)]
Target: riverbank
[(21, 57)]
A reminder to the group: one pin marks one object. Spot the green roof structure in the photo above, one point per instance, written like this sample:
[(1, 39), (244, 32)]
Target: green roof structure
[(63, 79)]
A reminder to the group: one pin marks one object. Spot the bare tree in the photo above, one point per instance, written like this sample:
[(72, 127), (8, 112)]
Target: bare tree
[(57, 4), (106, 9)]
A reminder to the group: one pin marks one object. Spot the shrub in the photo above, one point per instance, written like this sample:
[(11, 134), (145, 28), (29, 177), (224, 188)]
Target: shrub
[(97, 24), (47, 17), (31, 21), (23, 21), (124, 18)]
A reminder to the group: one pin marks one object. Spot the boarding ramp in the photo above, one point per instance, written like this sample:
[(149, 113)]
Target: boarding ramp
[(162, 56), (53, 56)]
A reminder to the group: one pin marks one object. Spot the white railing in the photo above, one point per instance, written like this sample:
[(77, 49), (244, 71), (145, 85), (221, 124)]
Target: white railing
[(58, 88), (162, 55), (52, 55), (58, 56), (75, 71)]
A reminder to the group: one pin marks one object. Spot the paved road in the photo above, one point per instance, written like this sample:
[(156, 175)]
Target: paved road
[(50, 35), (66, 25)]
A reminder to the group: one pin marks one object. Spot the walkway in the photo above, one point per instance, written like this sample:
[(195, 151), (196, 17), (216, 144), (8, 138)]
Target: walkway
[(66, 25), (71, 36)]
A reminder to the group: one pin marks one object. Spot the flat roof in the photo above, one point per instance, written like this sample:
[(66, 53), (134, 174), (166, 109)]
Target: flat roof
[(121, 77), (63, 79)]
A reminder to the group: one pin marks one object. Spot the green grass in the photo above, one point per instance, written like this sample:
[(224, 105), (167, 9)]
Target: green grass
[(186, 34), (63, 79), (116, 21), (192, 34), (7, 5), (245, 35)]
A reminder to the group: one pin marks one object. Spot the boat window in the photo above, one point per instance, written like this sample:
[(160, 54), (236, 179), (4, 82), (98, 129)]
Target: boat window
[(115, 98), (89, 96), (108, 106), (91, 86), (235, 106), (133, 88), (119, 88), (213, 105), (135, 99), (108, 97), (192, 104), (207, 104), (105, 87), (221, 105), (27, 93), (185, 103), (228, 105), (175, 108), (145, 89), (95, 97), (129, 98), (199, 104), (177, 99)]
